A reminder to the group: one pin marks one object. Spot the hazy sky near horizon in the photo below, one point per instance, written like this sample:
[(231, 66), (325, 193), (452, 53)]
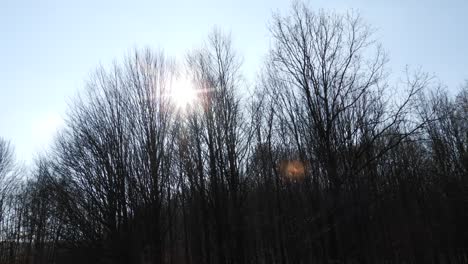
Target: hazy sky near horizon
[(49, 48)]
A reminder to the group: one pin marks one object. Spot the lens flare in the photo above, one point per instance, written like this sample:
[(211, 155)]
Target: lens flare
[(292, 169)]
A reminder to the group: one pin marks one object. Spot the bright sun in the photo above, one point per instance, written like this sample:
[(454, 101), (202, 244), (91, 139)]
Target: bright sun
[(183, 92)]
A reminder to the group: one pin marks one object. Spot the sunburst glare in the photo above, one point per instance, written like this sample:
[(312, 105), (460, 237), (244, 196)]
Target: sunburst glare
[(183, 92)]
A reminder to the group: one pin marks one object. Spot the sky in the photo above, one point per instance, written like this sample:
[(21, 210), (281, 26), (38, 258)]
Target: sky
[(48, 49)]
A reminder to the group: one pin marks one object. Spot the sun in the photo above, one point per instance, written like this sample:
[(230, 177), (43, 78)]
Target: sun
[(182, 92)]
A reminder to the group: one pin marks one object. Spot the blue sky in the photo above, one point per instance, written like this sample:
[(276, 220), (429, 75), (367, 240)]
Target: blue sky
[(49, 48)]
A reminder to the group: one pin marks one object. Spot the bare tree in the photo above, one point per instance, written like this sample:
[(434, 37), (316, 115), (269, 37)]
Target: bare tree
[(220, 136), (114, 156), (6, 168), (7, 165), (326, 78)]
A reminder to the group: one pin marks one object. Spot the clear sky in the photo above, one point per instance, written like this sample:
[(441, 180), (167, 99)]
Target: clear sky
[(49, 48)]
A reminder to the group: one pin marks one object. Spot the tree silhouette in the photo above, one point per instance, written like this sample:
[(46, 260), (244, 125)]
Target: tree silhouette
[(325, 161)]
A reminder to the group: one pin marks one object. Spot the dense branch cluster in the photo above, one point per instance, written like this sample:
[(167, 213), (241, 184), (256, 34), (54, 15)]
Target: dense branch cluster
[(323, 163)]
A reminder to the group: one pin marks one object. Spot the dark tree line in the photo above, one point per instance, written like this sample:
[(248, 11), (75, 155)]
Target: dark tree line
[(324, 162)]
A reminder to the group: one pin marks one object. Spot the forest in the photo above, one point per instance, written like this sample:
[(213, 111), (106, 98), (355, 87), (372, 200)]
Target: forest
[(324, 159)]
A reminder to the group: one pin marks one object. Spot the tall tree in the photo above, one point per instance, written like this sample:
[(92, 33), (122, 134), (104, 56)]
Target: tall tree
[(326, 77)]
